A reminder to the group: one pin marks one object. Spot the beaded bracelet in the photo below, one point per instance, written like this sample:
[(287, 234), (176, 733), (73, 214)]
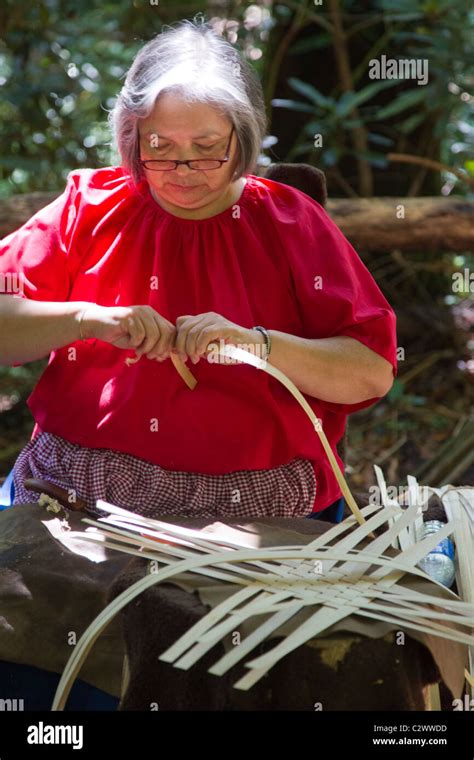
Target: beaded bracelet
[(268, 340)]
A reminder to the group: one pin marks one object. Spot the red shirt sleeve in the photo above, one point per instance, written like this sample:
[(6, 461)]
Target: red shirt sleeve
[(336, 294), (34, 260)]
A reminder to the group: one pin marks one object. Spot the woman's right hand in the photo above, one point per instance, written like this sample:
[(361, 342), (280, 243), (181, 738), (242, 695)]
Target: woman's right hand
[(138, 327)]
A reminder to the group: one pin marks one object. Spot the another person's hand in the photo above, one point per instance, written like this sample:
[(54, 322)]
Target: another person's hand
[(138, 327)]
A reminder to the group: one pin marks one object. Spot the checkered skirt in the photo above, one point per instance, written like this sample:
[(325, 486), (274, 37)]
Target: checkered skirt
[(148, 489)]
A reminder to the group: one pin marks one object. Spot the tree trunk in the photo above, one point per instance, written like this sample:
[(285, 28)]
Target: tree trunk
[(425, 224)]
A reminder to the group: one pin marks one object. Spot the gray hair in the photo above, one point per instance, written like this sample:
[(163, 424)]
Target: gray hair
[(193, 61)]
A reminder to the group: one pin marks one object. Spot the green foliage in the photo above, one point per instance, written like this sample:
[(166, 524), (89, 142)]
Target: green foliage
[(439, 31), (398, 396), (62, 63), (332, 120)]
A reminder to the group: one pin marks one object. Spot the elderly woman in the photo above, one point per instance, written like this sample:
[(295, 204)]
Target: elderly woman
[(179, 249)]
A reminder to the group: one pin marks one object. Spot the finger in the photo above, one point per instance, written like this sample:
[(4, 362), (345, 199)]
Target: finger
[(134, 328), (210, 333), (163, 346), (183, 325), (142, 331), (152, 333), (184, 317), (193, 335)]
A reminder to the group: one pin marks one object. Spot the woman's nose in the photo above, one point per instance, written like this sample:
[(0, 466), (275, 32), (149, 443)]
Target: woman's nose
[(182, 169)]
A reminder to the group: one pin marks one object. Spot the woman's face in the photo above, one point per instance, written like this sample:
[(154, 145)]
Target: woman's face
[(179, 130)]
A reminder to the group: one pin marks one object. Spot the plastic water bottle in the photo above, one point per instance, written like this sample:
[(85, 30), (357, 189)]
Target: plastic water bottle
[(439, 563)]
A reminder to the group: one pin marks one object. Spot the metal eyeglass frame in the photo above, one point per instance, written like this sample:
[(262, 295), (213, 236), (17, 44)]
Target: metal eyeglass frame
[(189, 161)]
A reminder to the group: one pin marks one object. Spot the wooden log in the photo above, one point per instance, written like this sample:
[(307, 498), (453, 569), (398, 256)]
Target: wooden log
[(371, 224), (429, 224), (17, 209)]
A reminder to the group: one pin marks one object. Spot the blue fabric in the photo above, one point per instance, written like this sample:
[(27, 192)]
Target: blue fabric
[(7, 492), (37, 688), (334, 513)]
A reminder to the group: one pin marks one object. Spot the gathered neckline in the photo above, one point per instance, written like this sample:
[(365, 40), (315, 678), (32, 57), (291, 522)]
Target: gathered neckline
[(145, 191)]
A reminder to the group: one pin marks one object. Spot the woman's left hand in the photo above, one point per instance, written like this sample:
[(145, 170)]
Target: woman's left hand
[(194, 333)]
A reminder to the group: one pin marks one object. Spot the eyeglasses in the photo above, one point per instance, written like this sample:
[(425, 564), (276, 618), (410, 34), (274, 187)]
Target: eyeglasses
[(204, 164)]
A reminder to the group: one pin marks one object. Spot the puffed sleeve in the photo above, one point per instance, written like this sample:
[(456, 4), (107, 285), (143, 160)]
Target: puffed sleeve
[(36, 260), (335, 292)]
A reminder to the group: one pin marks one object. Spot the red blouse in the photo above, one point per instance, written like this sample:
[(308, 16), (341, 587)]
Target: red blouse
[(274, 259)]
